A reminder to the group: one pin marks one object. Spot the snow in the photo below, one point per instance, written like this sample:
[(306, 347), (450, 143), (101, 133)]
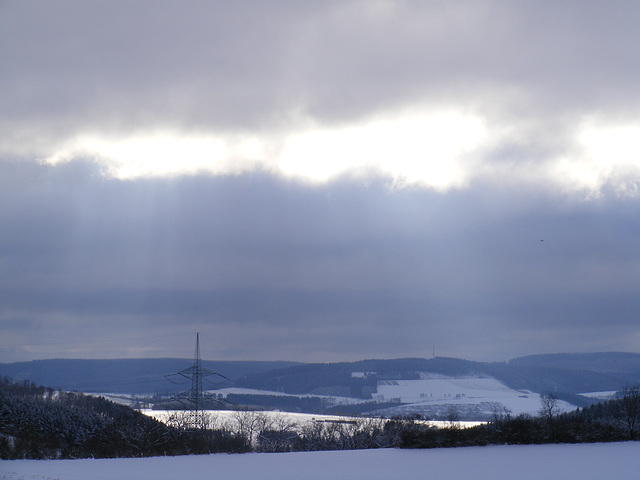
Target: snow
[(474, 397), (439, 390), (613, 461), (228, 417), (608, 395), (433, 394)]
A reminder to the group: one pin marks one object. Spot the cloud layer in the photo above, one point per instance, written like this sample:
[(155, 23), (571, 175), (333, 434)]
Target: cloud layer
[(239, 87), (319, 180), (339, 271)]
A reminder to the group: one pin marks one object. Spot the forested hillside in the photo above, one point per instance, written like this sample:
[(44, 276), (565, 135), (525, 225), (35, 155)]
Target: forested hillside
[(39, 422), (603, 362), (138, 375), (538, 377), (564, 374)]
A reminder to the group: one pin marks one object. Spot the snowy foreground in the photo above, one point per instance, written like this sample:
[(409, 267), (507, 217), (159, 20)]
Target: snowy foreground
[(609, 461)]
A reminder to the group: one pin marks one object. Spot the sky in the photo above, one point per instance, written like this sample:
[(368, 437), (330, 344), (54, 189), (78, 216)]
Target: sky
[(319, 181)]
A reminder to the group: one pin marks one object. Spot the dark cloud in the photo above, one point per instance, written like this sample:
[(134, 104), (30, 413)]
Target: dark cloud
[(512, 262), (332, 272), (240, 65)]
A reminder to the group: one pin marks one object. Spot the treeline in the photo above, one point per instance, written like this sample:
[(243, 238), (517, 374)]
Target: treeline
[(336, 378), (37, 422), (610, 421), (277, 432), (614, 420), (287, 403), (537, 376)]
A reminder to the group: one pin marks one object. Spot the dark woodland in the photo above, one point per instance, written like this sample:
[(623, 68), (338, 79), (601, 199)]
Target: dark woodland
[(42, 423)]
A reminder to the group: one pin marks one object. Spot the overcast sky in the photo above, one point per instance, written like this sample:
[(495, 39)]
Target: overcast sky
[(319, 181)]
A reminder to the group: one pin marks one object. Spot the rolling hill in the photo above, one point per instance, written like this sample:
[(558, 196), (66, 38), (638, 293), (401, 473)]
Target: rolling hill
[(135, 376), (407, 385)]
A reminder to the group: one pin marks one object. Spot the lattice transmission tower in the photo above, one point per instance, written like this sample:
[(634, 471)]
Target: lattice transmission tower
[(195, 399)]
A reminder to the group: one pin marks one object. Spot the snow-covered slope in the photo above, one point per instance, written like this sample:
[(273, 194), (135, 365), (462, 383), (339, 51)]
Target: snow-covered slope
[(467, 397), (613, 461), (436, 396)]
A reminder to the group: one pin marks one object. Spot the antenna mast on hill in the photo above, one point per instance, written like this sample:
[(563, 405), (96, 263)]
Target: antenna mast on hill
[(195, 397)]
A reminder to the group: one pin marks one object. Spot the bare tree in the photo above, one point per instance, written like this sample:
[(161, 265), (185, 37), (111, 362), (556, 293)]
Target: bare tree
[(324, 435), (549, 410), (369, 433), (314, 435), (143, 438), (453, 418), (549, 407), (500, 413), (249, 423), (177, 419), (278, 435)]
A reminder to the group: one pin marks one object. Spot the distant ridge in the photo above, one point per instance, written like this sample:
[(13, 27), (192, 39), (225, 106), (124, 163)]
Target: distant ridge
[(516, 374), (142, 375), (595, 362), (563, 374)]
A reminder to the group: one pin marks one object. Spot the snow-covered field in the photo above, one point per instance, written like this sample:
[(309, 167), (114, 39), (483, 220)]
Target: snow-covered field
[(608, 395), (613, 461), (434, 394), (227, 418)]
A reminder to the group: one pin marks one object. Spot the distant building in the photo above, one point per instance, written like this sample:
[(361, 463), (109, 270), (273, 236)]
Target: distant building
[(364, 384)]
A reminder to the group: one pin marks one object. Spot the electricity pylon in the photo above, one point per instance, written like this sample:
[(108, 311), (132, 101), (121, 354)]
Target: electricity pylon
[(195, 398)]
